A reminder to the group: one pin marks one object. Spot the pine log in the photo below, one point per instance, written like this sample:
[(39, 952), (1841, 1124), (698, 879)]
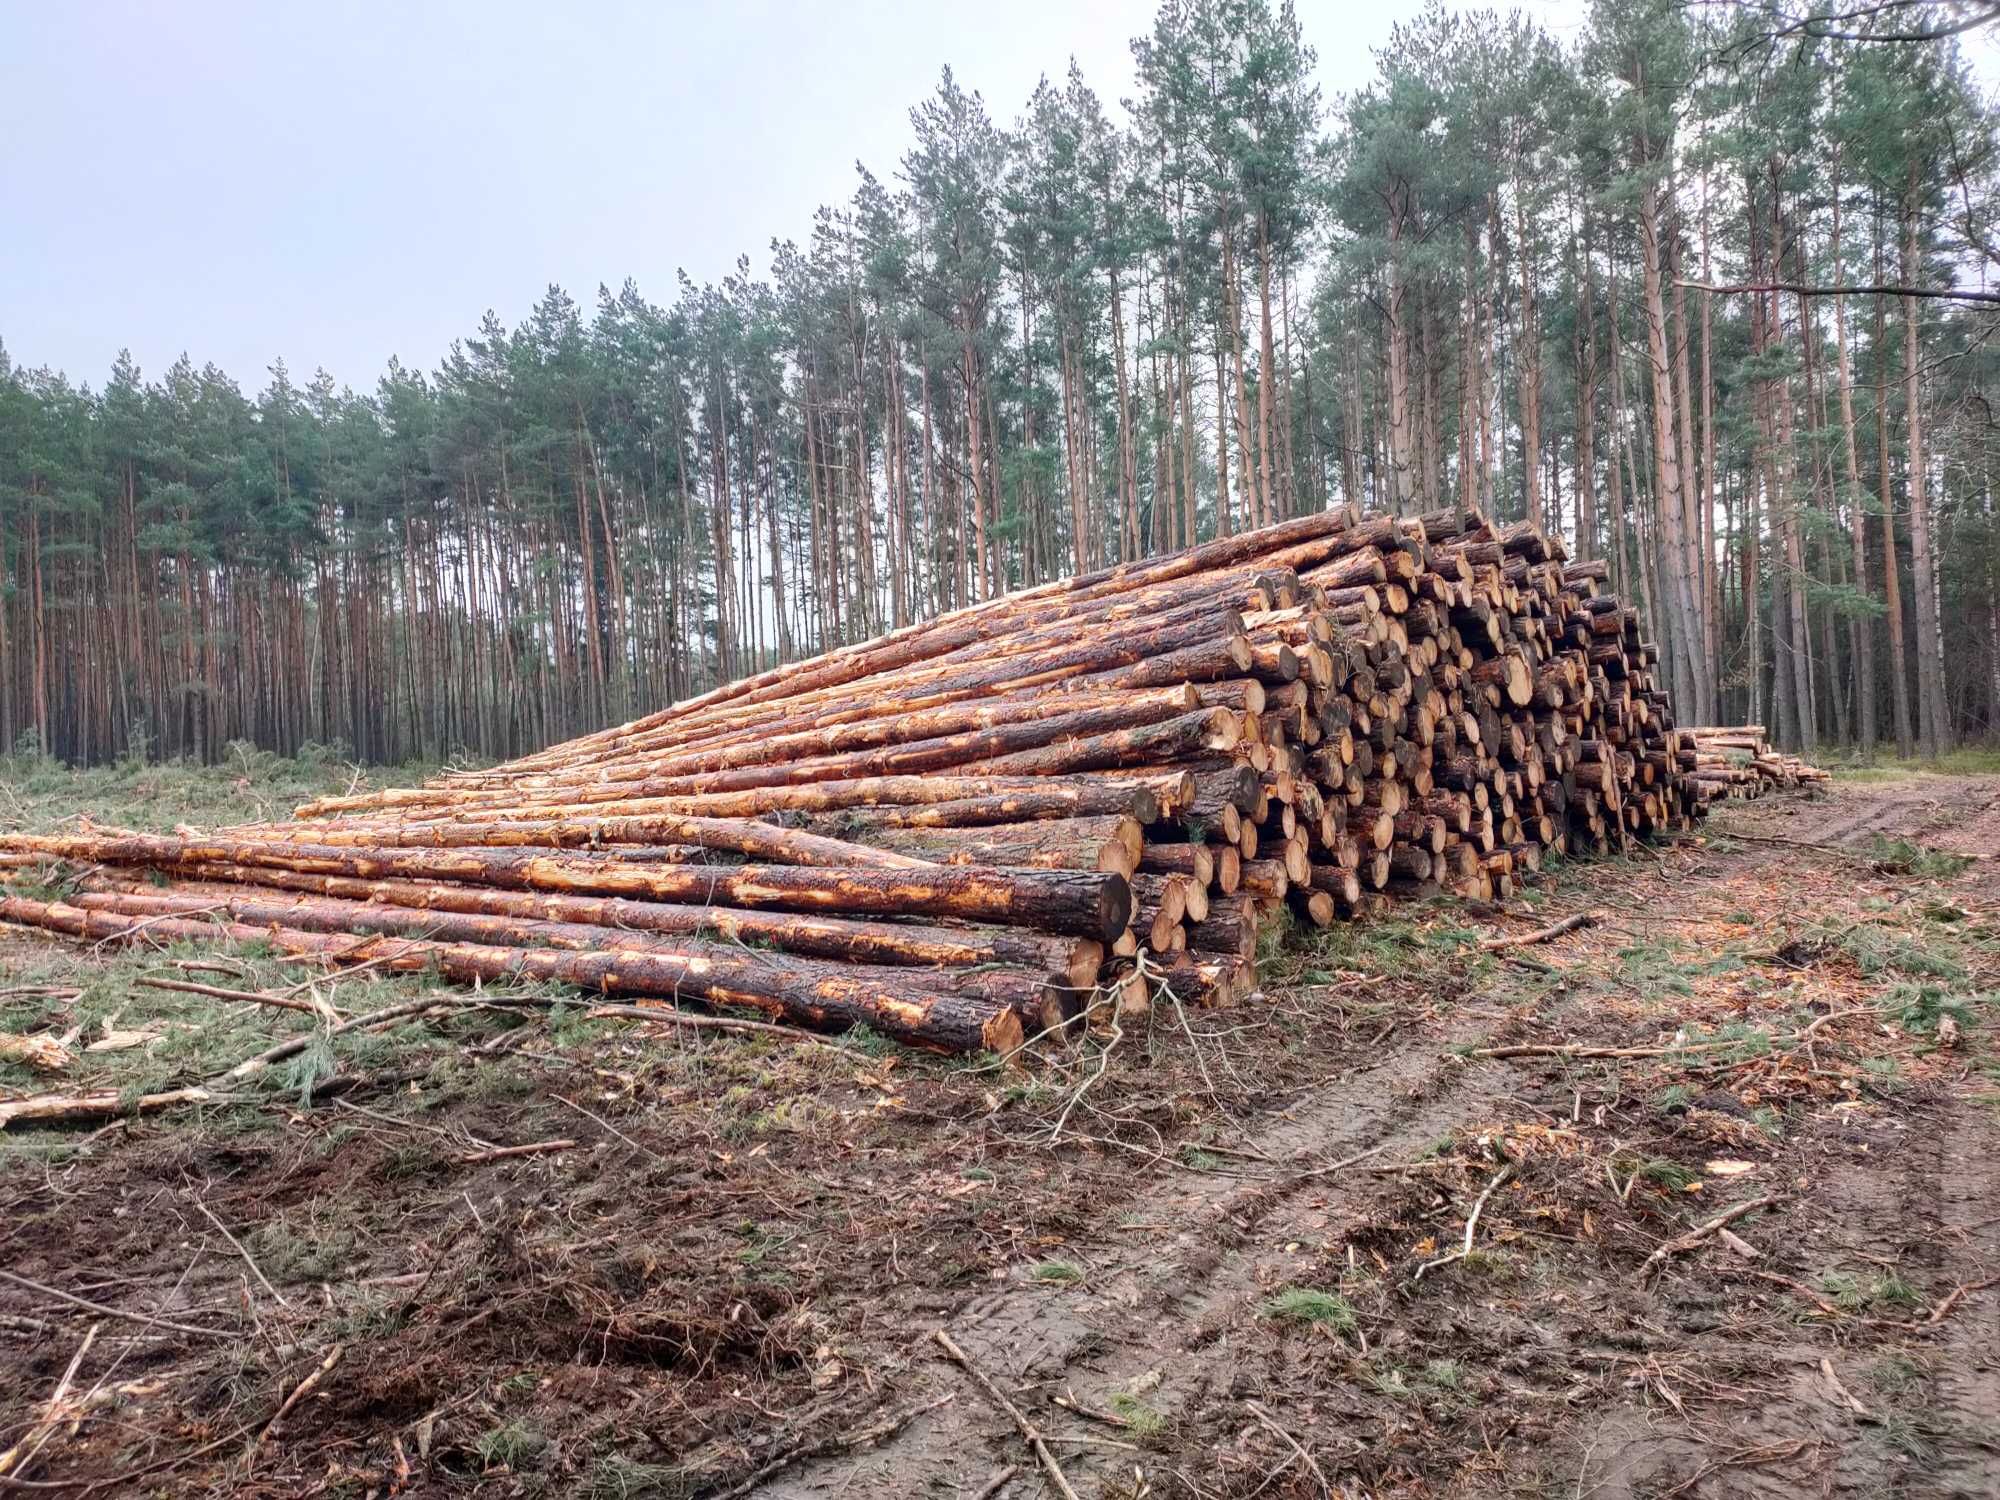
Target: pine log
[(1084, 904), (229, 887), (934, 1009)]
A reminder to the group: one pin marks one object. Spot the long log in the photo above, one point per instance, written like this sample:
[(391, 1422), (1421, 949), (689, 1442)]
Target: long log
[(1085, 904), (649, 796), (746, 836), (937, 1010), (849, 938), (1188, 735), (1103, 843)]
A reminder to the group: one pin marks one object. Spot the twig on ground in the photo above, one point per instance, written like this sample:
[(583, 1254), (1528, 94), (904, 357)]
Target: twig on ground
[(1787, 1282), (54, 1412), (1471, 1224), (1680, 1244), (237, 1245), (1943, 1310), (1332, 1167), (218, 992), (1583, 1049), (299, 1392), (533, 1148), (1256, 1409), (841, 1443), (998, 1482), (1741, 1458), (103, 1310), (1772, 838), (1029, 1433), (350, 972), (590, 1115), (1103, 1066), (1540, 934), (478, 1143), (292, 1046)]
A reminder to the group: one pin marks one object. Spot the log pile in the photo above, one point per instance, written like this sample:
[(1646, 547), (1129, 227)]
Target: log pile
[(976, 829), (1725, 760)]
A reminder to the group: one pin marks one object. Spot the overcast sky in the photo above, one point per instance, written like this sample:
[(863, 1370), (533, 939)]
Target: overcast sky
[(339, 182)]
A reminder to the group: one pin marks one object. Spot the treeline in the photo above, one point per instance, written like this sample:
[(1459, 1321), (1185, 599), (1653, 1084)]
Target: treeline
[(1075, 338)]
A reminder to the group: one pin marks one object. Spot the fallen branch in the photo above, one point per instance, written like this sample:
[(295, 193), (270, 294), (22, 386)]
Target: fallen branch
[(299, 1392), (1332, 1167), (292, 1046), (1256, 1409), (1944, 1308), (1471, 1224), (1772, 838), (54, 1412), (1029, 1433), (1680, 1244), (106, 1311), (237, 1245), (841, 1443), (1573, 923), (218, 992), (1585, 1049), (533, 1148), (96, 1105)]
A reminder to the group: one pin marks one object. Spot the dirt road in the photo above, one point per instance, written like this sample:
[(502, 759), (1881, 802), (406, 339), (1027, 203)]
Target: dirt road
[(1428, 1220)]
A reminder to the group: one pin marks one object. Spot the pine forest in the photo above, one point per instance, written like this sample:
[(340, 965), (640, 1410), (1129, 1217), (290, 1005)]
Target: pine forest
[(1702, 288)]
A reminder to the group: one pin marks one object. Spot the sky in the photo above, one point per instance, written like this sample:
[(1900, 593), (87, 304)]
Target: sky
[(336, 183)]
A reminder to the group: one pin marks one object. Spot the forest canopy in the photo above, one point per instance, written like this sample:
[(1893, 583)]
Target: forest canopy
[(1707, 289)]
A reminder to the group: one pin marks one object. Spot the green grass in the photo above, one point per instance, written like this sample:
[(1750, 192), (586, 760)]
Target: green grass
[(288, 1254), (1057, 1273), (1970, 761), (38, 794), (1427, 939), (510, 1445), (615, 1477), (1305, 1305)]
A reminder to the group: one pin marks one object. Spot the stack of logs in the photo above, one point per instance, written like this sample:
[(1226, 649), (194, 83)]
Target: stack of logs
[(978, 828), (1736, 760)]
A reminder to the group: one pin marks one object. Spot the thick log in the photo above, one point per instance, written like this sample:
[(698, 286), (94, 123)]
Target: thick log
[(745, 836), (1084, 904), (1188, 735), (1081, 795), (933, 1009), (1104, 843), (847, 938), (1078, 799), (1196, 861), (1231, 927)]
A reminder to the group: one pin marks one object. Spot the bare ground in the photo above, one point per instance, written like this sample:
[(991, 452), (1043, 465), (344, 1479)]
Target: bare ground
[(1191, 1257)]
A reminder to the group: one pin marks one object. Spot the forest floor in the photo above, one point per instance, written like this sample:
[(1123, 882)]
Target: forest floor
[(1225, 1255)]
